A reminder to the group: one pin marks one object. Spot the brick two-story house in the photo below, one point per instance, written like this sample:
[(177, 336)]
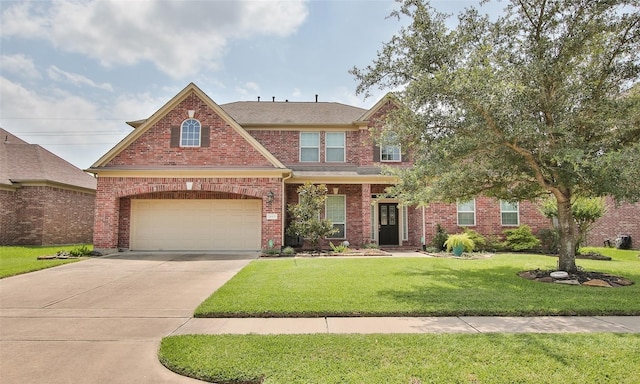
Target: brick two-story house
[(201, 176)]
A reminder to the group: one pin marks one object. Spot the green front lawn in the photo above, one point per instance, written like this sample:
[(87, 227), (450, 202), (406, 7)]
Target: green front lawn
[(406, 359), (17, 260), (419, 287)]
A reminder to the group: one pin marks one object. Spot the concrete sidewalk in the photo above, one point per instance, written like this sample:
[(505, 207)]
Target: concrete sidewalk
[(560, 324)]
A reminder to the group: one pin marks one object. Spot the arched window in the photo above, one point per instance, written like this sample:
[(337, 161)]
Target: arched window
[(190, 133)]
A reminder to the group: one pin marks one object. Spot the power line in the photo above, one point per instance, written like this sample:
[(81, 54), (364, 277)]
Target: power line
[(61, 118)]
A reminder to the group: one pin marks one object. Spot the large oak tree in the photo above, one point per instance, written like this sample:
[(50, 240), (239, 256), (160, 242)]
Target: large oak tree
[(540, 100)]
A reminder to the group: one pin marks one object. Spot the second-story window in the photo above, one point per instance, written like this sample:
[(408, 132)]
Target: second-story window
[(309, 146), (335, 146), (390, 148), (390, 153), (190, 133)]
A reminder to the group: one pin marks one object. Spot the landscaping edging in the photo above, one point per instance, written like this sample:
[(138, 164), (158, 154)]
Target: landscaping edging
[(591, 279)]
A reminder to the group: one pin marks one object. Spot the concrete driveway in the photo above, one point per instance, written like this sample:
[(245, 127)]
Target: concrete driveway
[(101, 320)]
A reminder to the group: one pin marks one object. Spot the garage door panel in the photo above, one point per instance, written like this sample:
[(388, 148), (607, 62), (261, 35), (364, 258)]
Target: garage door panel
[(196, 224)]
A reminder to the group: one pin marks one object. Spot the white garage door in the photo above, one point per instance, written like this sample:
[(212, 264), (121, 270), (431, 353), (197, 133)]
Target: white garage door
[(196, 224)]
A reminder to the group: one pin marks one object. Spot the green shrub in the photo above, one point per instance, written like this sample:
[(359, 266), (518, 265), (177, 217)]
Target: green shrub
[(80, 251), (439, 238), (520, 239), (479, 241), (370, 246), (289, 251), (271, 251), (549, 240), (340, 248), (494, 243)]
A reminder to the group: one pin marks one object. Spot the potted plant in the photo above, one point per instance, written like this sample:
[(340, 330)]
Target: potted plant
[(459, 243)]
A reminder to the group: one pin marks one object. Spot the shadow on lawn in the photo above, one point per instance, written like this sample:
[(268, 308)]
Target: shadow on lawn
[(499, 291)]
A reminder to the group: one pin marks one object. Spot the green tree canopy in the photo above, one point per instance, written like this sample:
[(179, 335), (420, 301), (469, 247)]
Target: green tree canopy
[(541, 100)]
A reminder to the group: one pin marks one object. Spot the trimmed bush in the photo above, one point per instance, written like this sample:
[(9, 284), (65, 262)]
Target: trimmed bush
[(520, 239)]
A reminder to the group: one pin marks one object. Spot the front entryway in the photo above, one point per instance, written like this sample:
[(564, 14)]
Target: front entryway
[(388, 226), (207, 224)]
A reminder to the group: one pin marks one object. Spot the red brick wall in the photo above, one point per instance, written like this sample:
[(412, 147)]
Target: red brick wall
[(227, 147), (285, 145), (8, 219), (488, 218), (47, 216), (111, 228), (623, 219)]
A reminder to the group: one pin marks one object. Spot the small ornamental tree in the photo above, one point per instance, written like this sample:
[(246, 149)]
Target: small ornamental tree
[(305, 215), (586, 211)]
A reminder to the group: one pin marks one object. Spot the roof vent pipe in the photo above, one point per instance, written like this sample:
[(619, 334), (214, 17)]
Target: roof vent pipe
[(273, 99), (316, 97), (258, 99)]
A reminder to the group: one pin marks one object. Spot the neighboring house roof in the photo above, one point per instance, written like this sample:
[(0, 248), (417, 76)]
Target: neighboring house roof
[(252, 113), (21, 162)]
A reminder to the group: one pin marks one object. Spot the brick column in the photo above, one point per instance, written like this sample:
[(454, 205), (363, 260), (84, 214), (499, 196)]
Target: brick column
[(105, 229), (366, 213)]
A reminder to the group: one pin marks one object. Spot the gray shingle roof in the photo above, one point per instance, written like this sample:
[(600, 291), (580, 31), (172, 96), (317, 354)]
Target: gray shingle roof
[(21, 161), (292, 113)]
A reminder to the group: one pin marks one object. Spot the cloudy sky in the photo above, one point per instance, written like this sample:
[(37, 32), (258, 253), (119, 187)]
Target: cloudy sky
[(72, 73)]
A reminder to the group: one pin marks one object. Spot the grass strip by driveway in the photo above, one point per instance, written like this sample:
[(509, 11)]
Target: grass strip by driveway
[(419, 287), (18, 260), (407, 359)]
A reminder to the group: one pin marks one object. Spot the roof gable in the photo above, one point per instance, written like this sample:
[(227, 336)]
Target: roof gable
[(242, 150), (23, 162), (388, 101)]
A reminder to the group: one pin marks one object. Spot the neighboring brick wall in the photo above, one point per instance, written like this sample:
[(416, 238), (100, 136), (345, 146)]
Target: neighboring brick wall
[(113, 206), (8, 219), (68, 217), (227, 147), (47, 216), (621, 220)]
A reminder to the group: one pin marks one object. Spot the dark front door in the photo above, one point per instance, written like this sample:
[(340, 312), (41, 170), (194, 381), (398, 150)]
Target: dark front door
[(388, 224)]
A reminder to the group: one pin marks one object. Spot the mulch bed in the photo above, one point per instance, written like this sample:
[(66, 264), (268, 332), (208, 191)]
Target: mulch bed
[(593, 279)]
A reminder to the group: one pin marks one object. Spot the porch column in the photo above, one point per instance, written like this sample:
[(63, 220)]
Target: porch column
[(366, 213)]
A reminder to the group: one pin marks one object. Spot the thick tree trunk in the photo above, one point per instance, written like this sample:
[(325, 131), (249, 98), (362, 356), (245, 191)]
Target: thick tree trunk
[(567, 257)]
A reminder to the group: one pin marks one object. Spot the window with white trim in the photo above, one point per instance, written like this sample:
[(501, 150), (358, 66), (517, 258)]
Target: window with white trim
[(390, 148), (467, 213), (509, 213), (309, 146), (334, 146), (390, 153), (190, 133), (336, 211)]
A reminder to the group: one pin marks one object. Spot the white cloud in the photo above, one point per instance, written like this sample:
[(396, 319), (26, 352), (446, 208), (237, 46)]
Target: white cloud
[(19, 65), (179, 37), (248, 89), (73, 127), (78, 80)]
